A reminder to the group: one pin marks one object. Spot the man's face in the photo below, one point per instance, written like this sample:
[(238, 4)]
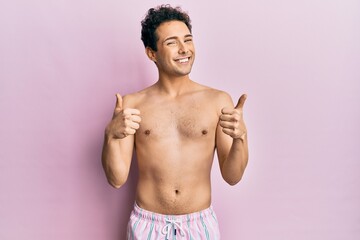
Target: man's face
[(176, 53)]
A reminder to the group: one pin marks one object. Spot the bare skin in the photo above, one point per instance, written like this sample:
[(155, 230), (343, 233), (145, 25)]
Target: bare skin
[(175, 126)]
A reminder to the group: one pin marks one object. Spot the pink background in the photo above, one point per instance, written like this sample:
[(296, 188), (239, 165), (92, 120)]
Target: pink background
[(61, 63)]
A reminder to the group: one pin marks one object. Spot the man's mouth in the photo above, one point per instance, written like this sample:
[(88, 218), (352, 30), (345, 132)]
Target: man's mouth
[(183, 60)]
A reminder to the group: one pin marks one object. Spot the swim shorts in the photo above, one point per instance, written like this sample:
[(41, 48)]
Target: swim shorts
[(146, 225)]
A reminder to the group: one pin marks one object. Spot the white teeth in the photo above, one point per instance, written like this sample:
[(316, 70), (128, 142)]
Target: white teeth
[(184, 60)]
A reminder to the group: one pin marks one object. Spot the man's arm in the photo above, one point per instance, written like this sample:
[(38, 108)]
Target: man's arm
[(231, 141), (119, 143)]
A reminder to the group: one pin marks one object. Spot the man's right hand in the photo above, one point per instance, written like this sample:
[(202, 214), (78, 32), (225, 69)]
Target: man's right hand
[(124, 122)]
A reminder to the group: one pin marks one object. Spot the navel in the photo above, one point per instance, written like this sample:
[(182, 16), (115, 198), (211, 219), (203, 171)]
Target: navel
[(177, 192)]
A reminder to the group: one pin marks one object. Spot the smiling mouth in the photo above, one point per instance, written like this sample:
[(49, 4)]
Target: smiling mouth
[(183, 60)]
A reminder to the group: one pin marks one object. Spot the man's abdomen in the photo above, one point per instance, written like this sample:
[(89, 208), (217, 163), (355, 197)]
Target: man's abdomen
[(174, 197)]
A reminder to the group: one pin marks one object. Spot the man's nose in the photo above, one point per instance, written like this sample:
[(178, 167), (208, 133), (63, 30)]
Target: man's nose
[(183, 48)]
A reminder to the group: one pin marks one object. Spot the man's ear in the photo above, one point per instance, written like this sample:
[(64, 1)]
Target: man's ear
[(151, 54)]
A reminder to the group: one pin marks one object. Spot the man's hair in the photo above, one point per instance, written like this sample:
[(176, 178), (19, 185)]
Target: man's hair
[(155, 17)]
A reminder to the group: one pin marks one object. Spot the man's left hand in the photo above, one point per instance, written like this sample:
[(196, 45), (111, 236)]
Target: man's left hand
[(232, 122)]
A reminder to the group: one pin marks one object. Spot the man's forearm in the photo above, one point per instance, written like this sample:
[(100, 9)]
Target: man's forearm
[(234, 166), (115, 168)]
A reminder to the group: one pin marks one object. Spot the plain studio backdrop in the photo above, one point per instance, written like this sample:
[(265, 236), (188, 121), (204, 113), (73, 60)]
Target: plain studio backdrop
[(61, 63)]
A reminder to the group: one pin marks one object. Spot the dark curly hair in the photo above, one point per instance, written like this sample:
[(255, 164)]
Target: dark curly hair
[(156, 16)]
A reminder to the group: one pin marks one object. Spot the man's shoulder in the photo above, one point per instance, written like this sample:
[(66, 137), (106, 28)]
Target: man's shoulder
[(216, 94), (133, 99), (218, 98)]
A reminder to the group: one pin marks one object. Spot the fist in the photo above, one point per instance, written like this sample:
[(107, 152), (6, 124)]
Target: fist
[(124, 122), (232, 122)]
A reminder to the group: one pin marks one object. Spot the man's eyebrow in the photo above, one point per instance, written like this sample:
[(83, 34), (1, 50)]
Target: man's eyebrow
[(170, 38)]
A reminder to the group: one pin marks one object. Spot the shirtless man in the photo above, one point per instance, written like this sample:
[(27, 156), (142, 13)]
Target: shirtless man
[(174, 126)]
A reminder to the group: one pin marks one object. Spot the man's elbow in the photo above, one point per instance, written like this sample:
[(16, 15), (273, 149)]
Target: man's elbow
[(117, 186), (116, 183), (116, 176), (231, 179), (233, 182), (116, 180)]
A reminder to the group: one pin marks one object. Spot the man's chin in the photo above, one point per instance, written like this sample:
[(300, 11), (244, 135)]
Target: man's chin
[(184, 72)]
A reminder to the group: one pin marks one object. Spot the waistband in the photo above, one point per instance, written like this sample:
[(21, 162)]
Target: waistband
[(148, 215)]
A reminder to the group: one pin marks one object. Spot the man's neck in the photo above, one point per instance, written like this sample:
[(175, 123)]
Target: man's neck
[(174, 86)]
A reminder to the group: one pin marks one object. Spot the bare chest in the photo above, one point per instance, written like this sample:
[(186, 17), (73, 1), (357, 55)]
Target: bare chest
[(181, 121)]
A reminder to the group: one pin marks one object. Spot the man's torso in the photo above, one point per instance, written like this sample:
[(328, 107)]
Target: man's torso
[(175, 146)]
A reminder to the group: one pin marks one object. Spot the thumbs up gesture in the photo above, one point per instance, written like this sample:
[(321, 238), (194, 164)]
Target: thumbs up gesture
[(124, 122), (232, 122)]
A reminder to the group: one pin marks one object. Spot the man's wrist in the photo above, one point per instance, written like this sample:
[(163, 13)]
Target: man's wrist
[(109, 136), (242, 138)]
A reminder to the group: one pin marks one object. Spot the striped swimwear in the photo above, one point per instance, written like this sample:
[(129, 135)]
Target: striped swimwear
[(146, 225)]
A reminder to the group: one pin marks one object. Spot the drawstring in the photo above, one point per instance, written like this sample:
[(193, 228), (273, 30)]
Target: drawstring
[(176, 224)]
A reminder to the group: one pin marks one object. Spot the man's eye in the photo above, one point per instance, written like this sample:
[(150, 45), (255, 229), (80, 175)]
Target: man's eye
[(171, 43), (188, 40)]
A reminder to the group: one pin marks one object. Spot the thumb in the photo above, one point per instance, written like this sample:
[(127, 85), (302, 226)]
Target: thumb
[(119, 105), (241, 102)]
